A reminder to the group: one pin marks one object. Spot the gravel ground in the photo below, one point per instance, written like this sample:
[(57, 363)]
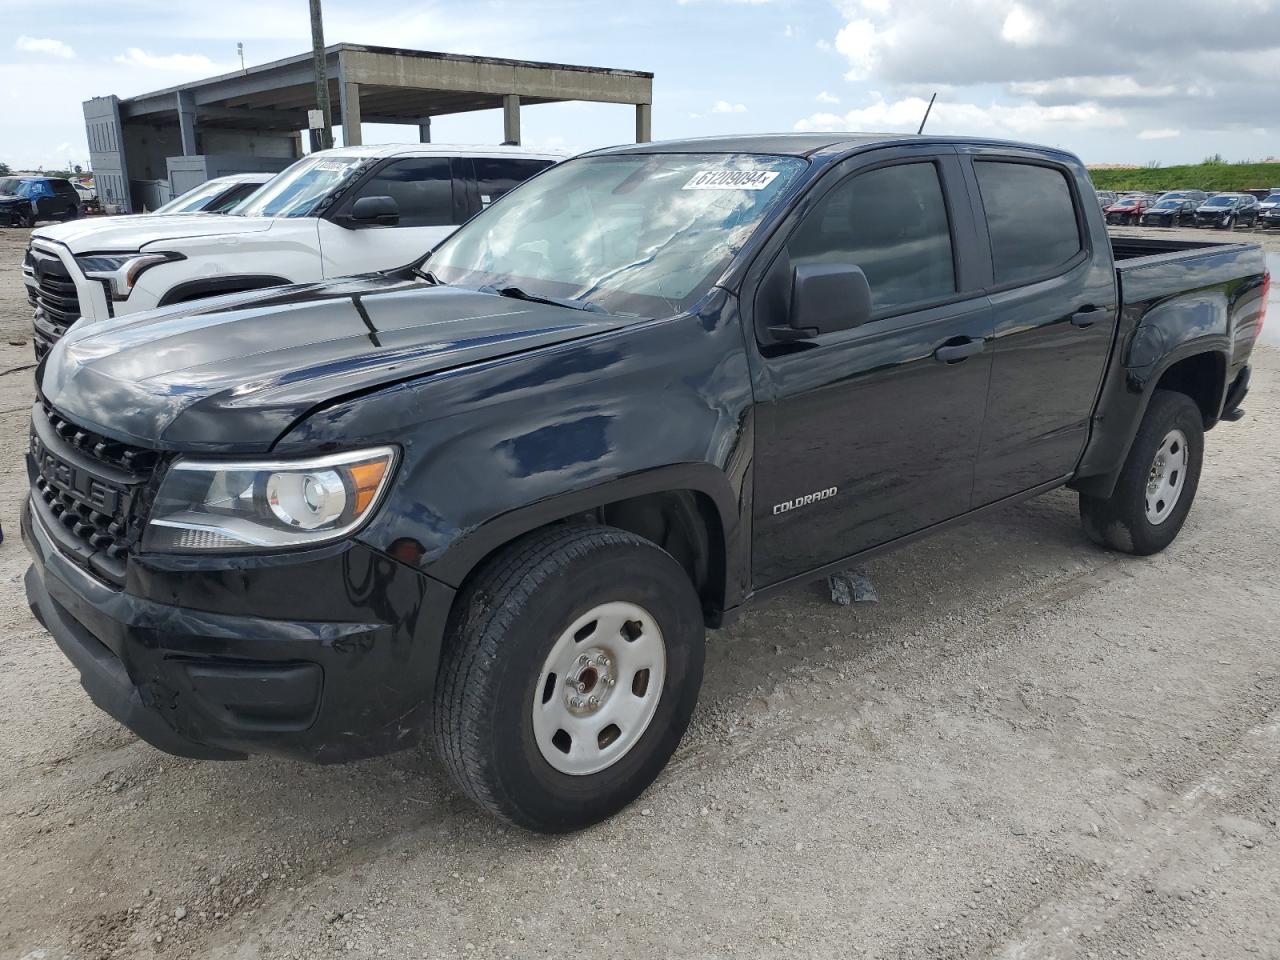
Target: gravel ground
[(1027, 748)]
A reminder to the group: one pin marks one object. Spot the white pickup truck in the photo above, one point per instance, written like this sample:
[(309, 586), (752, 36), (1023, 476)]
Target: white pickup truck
[(334, 213)]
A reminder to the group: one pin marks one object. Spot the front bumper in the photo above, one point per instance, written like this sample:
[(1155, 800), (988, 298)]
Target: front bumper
[(325, 656)]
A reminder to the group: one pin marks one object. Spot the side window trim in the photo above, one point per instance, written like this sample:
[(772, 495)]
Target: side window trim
[(957, 202), (1083, 255)]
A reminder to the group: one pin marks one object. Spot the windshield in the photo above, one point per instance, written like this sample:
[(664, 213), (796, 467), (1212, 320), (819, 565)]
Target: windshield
[(1220, 201), (193, 201), (637, 234), (1272, 198), (1168, 205), (304, 189)]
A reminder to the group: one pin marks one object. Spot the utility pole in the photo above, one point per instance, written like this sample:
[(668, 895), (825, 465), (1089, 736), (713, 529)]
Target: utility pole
[(240, 52), (321, 139)]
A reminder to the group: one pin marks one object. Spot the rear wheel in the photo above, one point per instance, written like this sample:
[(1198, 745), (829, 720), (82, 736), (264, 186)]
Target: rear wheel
[(570, 672), (1158, 483)]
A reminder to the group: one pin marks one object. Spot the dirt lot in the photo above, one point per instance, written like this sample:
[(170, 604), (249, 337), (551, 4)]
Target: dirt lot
[(1028, 748)]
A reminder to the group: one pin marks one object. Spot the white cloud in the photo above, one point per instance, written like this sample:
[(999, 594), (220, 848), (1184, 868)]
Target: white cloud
[(824, 45), (1021, 27), (724, 106), (859, 42), (1161, 133), (174, 62), (825, 97), (44, 45), (904, 115)]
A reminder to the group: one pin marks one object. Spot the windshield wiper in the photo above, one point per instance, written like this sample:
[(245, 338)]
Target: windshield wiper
[(516, 293), (430, 277)]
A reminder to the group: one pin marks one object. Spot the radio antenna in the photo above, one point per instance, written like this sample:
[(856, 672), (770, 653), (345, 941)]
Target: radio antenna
[(926, 113)]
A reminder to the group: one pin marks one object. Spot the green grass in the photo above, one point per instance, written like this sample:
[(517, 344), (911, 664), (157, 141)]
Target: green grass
[(1196, 176)]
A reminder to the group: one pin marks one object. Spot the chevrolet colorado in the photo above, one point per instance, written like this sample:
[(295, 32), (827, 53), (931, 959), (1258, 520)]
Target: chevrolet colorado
[(493, 500)]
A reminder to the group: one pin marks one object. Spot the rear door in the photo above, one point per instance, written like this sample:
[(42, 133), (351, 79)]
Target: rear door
[(868, 434), (1053, 297), (424, 191)]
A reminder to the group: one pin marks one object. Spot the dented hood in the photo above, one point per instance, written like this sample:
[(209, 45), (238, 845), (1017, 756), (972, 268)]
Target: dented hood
[(235, 372)]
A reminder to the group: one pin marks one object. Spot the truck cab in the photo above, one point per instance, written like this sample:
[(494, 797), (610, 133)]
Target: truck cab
[(333, 213), (493, 500)]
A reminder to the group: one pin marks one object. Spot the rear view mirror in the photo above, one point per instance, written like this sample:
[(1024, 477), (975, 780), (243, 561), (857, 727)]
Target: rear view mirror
[(825, 298), (380, 210)]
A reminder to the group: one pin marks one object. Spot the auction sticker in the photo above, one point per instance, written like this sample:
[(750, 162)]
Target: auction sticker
[(731, 180)]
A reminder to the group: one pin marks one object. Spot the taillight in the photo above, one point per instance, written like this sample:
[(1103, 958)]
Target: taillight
[(1262, 311)]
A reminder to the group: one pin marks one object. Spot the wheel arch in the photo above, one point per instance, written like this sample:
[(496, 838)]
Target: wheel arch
[(689, 510)]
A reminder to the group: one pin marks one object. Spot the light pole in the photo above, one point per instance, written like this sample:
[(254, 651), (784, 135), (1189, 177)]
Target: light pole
[(321, 139)]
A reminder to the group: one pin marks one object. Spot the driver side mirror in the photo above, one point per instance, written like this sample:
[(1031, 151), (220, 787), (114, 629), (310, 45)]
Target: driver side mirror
[(383, 211), (825, 298)]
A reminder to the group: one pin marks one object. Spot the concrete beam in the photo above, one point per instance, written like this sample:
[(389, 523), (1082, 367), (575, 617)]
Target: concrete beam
[(187, 122), (478, 76), (285, 119), (644, 122), (511, 118), (350, 96)]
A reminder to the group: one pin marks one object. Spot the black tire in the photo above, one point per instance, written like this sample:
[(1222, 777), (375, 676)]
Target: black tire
[(1120, 521), (503, 626)]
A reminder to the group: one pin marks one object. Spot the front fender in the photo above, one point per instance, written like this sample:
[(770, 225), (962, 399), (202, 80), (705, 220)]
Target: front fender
[(496, 449)]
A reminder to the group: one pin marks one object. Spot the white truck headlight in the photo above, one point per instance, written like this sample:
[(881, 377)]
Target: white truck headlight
[(211, 505), (120, 271)]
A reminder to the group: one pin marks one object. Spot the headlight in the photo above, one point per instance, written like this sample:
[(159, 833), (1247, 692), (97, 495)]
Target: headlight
[(207, 505), (120, 271)]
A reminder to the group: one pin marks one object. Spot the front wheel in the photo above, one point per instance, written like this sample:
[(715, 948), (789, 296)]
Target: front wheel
[(1157, 484), (571, 669)]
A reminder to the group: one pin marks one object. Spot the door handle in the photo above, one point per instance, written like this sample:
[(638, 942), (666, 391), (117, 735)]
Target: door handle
[(959, 348), (1085, 317)]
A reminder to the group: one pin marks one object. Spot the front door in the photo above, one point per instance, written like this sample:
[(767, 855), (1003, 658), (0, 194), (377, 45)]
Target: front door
[(424, 191), (865, 435)]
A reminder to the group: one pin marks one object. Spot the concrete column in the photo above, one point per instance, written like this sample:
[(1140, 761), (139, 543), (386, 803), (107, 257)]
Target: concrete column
[(424, 130), (350, 97), (511, 118), (644, 122), (187, 123)]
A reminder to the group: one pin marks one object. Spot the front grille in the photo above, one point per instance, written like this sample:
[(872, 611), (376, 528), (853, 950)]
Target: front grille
[(92, 487), (52, 294)]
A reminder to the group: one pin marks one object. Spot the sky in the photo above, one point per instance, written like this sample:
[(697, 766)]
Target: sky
[(1119, 81)]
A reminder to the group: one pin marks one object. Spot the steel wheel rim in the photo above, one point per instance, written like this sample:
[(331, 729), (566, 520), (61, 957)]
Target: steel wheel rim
[(1167, 477), (599, 688)]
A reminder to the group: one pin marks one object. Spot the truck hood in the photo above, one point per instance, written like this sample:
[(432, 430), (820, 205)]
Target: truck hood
[(235, 372), (101, 234)]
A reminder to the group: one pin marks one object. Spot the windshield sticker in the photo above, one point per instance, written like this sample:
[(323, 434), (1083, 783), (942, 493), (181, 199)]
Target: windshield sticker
[(338, 165), (731, 180)]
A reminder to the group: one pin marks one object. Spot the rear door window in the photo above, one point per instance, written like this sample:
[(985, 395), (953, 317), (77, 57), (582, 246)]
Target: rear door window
[(496, 175), (1031, 219)]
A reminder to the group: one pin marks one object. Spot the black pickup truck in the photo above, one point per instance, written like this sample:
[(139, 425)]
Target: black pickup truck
[(494, 499)]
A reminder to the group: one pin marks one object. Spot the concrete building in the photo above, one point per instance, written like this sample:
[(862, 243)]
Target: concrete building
[(251, 120)]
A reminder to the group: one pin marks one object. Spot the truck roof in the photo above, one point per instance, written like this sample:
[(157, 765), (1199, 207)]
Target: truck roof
[(807, 144)]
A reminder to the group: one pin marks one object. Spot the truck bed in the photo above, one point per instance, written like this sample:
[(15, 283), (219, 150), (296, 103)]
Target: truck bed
[(1137, 248)]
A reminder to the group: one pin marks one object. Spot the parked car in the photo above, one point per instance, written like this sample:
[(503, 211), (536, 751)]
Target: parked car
[(24, 200), (1169, 213), (1269, 211), (334, 213), (338, 519), (1126, 210), (219, 195), (1226, 210), (1198, 195), (1106, 198)]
